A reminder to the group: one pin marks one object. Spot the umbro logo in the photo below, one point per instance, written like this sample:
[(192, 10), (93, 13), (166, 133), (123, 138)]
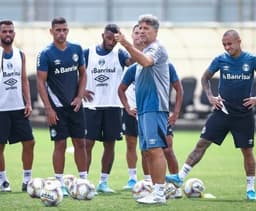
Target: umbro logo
[(101, 78), (152, 141), (57, 62), (10, 82)]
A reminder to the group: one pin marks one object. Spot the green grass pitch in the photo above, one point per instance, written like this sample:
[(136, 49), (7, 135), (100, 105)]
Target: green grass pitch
[(221, 170)]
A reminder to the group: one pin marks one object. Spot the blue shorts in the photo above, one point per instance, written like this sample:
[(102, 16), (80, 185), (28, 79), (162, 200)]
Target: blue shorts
[(219, 124), (152, 130), (14, 127), (70, 124), (103, 124), (130, 125)]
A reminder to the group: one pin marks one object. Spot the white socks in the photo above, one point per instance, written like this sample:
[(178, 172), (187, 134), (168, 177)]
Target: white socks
[(27, 175), (83, 174), (132, 173), (250, 182), (60, 178), (3, 177), (104, 177), (184, 171)]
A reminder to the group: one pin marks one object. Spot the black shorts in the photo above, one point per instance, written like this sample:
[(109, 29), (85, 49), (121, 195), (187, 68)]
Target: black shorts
[(130, 125), (14, 127), (219, 124), (70, 124), (103, 124)]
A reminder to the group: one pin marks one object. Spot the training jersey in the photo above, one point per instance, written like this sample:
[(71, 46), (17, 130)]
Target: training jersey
[(104, 74), (11, 80), (62, 67), (236, 80), (129, 81), (152, 84)]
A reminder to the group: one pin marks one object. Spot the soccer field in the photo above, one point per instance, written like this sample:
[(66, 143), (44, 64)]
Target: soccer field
[(221, 170)]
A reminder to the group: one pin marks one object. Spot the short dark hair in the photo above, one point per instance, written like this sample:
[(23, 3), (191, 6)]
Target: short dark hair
[(112, 27), (6, 22), (58, 20), (150, 20), (135, 26)]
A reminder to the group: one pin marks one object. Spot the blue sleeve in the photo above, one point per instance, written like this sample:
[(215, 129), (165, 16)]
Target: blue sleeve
[(42, 61), (214, 66), (80, 56), (129, 75), (86, 55), (173, 74), (123, 56)]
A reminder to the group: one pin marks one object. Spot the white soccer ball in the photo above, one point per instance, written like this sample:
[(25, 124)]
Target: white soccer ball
[(51, 194), (68, 180), (194, 188), (82, 189), (52, 180), (35, 186), (142, 188), (170, 191), (92, 190)]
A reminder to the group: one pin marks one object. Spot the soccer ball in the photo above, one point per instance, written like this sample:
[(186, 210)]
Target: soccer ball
[(52, 180), (170, 191), (35, 187), (82, 189), (68, 180), (51, 194), (194, 188), (142, 188), (92, 190)]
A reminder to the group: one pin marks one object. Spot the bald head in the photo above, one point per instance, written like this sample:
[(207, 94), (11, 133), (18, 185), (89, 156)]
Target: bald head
[(231, 42), (233, 33)]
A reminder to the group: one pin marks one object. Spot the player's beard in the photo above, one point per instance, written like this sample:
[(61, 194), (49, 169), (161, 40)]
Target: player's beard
[(7, 42)]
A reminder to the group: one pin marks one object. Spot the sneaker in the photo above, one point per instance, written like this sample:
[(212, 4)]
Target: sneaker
[(152, 198), (64, 191), (5, 187), (130, 184), (178, 193), (174, 178), (251, 195), (24, 187), (103, 187)]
